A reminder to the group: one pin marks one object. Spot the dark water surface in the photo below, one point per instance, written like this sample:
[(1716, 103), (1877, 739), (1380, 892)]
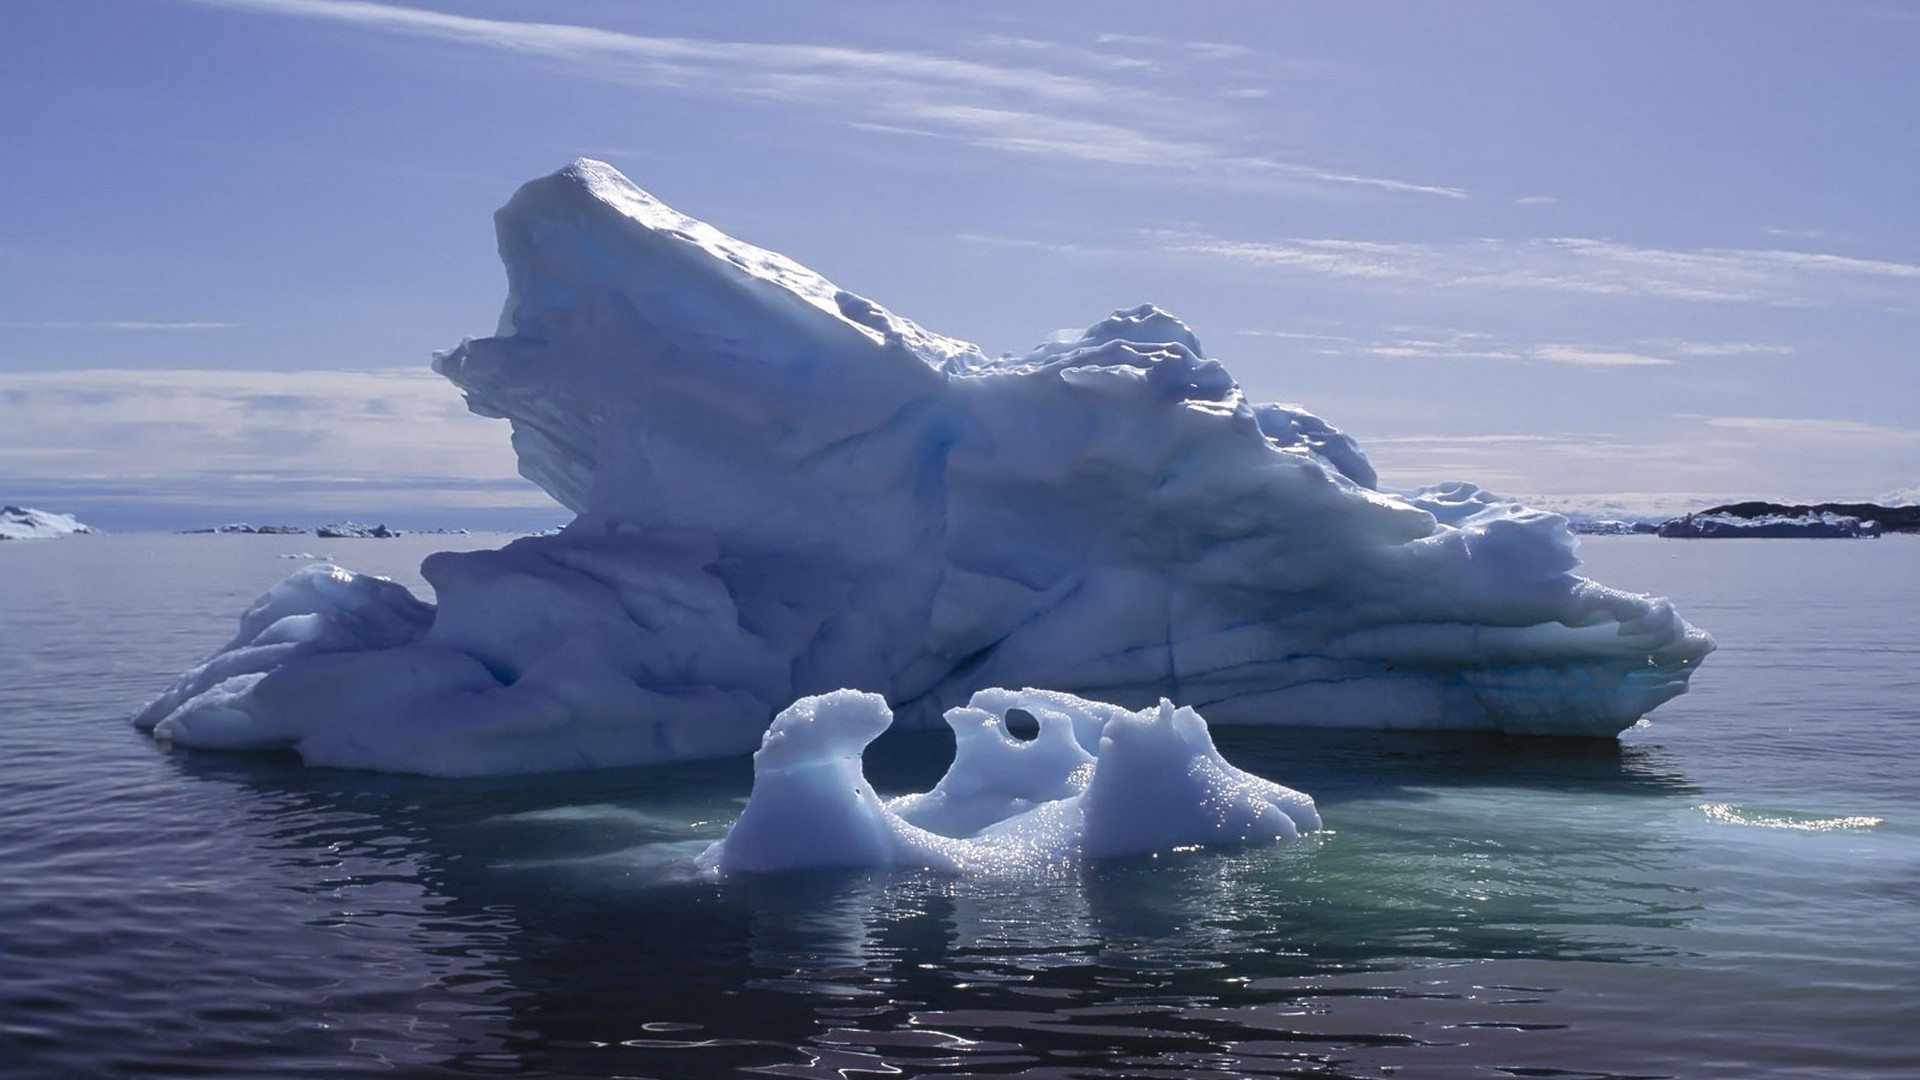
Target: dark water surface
[(1731, 891)]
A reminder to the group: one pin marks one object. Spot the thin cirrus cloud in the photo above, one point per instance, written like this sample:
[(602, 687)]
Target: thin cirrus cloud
[(1549, 352), (1211, 50), (1587, 356), (1583, 266), (119, 324), (1014, 109), (1460, 345), (85, 427), (1811, 427), (1016, 131), (1724, 348), (1699, 459)]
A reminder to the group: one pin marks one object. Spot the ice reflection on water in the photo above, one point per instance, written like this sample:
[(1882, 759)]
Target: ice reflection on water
[(1482, 905), (557, 925)]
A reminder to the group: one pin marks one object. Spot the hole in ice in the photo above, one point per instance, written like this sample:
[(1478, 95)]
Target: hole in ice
[(1022, 725)]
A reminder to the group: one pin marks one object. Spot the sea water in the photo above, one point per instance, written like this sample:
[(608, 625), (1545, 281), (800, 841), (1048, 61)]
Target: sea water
[(1731, 890)]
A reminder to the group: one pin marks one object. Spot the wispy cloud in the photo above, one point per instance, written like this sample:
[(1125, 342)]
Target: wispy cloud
[(1415, 343), (1798, 234), (1582, 265), (151, 431), (1465, 345), (1690, 462), (1021, 243), (1812, 427), (1473, 440), (118, 324), (1535, 200), (1294, 335), (1906, 496), (1548, 352), (1723, 348), (1211, 50), (1102, 59), (1025, 132), (1259, 165), (1588, 356), (1097, 113)]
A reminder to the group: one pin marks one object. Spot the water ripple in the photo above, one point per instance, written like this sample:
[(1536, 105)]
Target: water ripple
[(1730, 814)]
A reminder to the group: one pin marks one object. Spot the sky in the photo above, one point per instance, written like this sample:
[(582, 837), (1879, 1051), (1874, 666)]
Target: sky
[(1618, 257)]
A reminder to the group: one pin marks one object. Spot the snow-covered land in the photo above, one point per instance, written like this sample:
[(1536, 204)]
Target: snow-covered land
[(1096, 780), (340, 530), (1587, 526), (242, 528), (26, 523), (1714, 526), (1774, 523), (783, 489), (354, 530)]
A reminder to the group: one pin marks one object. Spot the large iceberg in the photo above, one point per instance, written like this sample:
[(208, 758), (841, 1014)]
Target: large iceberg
[(782, 489), (1093, 780)]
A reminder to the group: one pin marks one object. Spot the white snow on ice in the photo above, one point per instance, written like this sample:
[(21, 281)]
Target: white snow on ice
[(783, 489), (26, 523), (1097, 780)]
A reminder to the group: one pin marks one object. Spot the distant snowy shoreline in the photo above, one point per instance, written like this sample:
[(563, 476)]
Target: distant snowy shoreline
[(1763, 520), (342, 530)]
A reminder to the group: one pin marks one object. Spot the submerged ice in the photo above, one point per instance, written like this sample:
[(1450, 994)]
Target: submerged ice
[(782, 489), (1096, 780)]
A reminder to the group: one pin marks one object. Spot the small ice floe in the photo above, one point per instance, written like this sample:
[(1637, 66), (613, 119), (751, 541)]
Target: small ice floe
[(1095, 780)]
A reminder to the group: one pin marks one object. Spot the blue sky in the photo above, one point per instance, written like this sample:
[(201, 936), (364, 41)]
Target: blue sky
[(1595, 254)]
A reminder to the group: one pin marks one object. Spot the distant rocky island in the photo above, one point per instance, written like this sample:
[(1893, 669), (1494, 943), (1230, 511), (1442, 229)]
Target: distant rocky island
[(342, 530), (1819, 520), (26, 523), (1757, 519), (1587, 526)]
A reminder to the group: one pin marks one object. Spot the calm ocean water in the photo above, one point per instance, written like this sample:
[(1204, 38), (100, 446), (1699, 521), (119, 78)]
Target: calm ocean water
[(1731, 891)]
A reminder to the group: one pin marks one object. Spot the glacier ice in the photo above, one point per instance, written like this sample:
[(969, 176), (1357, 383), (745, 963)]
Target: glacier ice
[(1096, 780), (26, 523), (782, 489)]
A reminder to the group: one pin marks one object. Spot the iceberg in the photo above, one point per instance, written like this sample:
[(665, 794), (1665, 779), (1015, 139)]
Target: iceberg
[(26, 523), (345, 530), (1094, 781), (781, 489)]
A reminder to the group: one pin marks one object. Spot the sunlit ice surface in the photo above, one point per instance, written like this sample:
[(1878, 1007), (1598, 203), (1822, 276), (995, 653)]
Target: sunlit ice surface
[(1091, 781), (783, 489)]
